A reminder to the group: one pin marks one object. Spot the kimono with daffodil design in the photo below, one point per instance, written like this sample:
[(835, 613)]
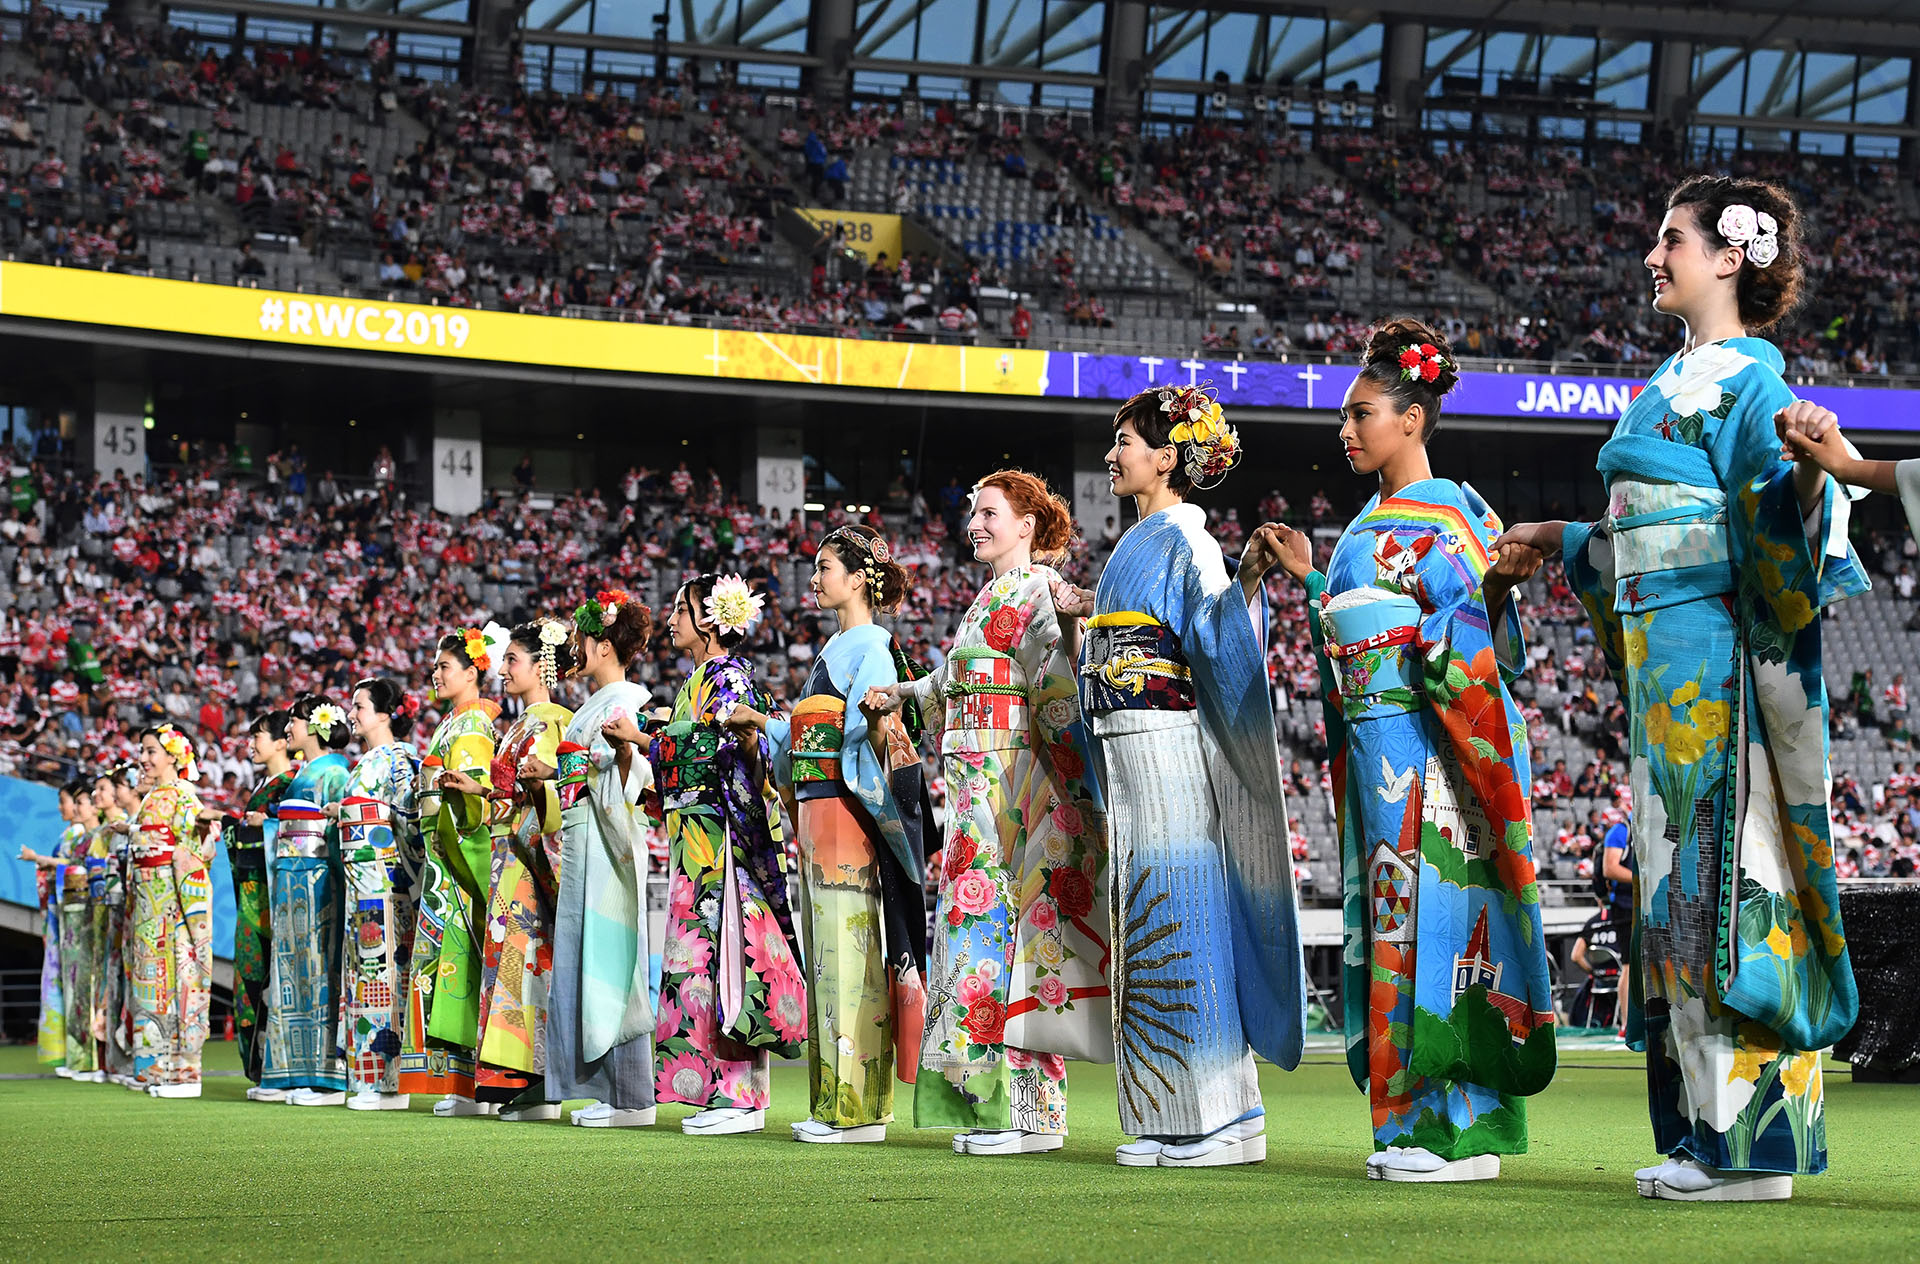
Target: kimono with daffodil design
[(1705, 583)]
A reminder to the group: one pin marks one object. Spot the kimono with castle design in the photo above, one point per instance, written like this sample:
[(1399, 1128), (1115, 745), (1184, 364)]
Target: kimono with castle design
[(1705, 584), (1430, 777)]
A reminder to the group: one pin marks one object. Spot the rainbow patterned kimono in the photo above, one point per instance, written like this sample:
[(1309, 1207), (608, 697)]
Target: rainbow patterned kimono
[(1430, 774)]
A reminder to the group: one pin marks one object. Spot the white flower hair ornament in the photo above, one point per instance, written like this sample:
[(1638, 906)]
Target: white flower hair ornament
[(1756, 232), (552, 632), (732, 606), (324, 717), (495, 639)]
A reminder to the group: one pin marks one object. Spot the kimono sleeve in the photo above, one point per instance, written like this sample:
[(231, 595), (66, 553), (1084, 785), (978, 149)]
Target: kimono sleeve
[(1587, 549), (543, 798), (472, 754)]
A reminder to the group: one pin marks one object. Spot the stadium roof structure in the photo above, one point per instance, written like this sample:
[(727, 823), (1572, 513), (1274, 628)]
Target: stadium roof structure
[(1880, 26)]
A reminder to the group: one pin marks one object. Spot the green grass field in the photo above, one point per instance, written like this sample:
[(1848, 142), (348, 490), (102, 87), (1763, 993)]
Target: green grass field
[(97, 1173)]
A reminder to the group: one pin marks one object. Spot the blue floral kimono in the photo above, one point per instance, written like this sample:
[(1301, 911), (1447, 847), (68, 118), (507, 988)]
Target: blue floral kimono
[(1705, 585), (1449, 1018), (1206, 954), (301, 1047)]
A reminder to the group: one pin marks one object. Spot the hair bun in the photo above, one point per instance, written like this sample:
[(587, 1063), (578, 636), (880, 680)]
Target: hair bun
[(1409, 344)]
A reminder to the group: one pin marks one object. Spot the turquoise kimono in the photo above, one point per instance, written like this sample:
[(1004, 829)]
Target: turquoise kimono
[(301, 1045), (1705, 585), (1207, 961), (1449, 1013)]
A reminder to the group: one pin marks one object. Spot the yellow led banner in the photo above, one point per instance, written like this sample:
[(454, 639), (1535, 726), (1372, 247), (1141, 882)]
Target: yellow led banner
[(869, 234), (414, 329)]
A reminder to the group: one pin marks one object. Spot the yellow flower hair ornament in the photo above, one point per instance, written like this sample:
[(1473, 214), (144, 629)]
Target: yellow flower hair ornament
[(180, 750), (1210, 447)]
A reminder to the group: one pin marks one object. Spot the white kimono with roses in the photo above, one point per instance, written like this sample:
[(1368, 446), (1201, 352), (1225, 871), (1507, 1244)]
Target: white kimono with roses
[(1017, 976)]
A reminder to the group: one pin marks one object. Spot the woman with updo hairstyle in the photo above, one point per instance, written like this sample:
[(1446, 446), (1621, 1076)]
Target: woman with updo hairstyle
[(1705, 582), (1173, 689), (169, 951), (443, 972), (383, 859), (598, 1037), (1017, 980), (1418, 635), (248, 836), (300, 1055), (523, 813), (861, 810), (727, 905)]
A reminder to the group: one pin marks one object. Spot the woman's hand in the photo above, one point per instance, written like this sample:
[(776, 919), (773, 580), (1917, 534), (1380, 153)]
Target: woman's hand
[(452, 779), (882, 699), (256, 819), (621, 728), (1070, 602), (330, 810), (1810, 436), (533, 769), (1544, 537), (745, 719), (1295, 551), (1513, 565), (662, 715)]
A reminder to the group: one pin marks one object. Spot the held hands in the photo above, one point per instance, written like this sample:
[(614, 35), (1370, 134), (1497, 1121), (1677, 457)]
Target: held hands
[(332, 810), (256, 818), (1810, 435), (1294, 552), (745, 719), (1264, 549), (621, 728), (533, 770), (882, 700), (1543, 538), (1070, 602), (453, 779)]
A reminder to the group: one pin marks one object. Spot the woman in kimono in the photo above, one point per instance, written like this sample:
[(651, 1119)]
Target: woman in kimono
[(78, 977), (119, 796), (302, 1055), (599, 1015), (523, 812), (865, 912), (52, 1027), (1017, 974), (248, 837), (443, 976), (1207, 969), (731, 992), (380, 851), (1418, 640), (106, 896), (169, 935), (1705, 583)]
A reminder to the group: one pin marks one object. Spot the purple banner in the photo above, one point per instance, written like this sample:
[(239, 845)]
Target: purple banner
[(1270, 384)]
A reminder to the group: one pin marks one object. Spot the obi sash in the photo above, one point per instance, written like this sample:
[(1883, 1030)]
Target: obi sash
[(1370, 647), (819, 729), (1683, 549), (302, 832), (428, 796), (986, 692), (1133, 662), (154, 850), (247, 847), (572, 761), (366, 829), (688, 771)]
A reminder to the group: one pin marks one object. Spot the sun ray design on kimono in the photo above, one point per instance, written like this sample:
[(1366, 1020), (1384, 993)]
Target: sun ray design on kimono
[(1137, 987)]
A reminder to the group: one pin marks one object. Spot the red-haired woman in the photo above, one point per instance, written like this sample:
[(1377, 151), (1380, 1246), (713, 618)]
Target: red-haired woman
[(1017, 973)]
